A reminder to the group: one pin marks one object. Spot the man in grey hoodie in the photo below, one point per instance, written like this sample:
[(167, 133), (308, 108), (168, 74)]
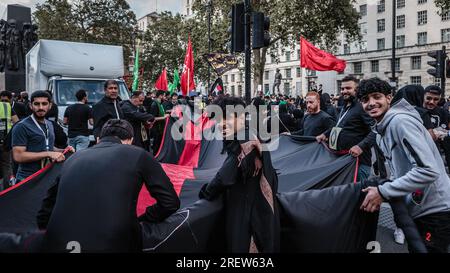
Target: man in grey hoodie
[(417, 170)]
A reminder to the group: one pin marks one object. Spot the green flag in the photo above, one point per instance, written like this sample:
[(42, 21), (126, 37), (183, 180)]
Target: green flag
[(136, 71), (173, 87)]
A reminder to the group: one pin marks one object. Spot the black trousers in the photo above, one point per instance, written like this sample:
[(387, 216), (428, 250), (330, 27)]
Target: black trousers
[(435, 231)]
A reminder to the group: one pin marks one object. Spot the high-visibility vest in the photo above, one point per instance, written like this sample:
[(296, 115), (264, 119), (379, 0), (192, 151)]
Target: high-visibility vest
[(5, 118)]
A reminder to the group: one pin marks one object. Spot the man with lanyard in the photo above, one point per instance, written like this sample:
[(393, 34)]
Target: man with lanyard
[(157, 110), (107, 108), (353, 129), (7, 118), (33, 138)]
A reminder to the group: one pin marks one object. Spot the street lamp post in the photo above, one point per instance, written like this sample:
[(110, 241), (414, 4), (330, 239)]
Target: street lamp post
[(394, 14)]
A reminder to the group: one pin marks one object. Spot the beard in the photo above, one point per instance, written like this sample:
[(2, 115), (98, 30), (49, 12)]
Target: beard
[(350, 98)]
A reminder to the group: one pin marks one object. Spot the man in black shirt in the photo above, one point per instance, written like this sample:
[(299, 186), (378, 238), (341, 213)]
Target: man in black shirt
[(138, 118), (77, 117), (316, 121), (353, 129), (439, 118), (93, 201), (107, 108)]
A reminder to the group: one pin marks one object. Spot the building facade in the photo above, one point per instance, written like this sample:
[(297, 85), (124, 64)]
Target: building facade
[(419, 30)]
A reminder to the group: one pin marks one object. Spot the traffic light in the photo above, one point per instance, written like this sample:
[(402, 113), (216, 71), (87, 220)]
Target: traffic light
[(261, 35), (439, 63), (237, 28), (447, 68)]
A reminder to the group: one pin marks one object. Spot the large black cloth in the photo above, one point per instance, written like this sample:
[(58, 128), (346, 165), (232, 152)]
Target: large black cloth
[(247, 203), (95, 204)]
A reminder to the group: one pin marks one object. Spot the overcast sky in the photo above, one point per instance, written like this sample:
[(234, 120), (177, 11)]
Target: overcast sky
[(140, 7)]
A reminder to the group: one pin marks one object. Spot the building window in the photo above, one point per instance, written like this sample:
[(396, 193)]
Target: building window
[(288, 56), (288, 73), (380, 44), (417, 80), (311, 73), (381, 25), (187, 11), (445, 15), (363, 46), (400, 4), (299, 72), (346, 49), (363, 10), (381, 6), (400, 41), (416, 62), (421, 2), (357, 68), (299, 54), (233, 93), (397, 64), (421, 38), (232, 78), (240, 90), (445, 35), (363, 28), (401, 21), (266, 88), (422, 17), (266, 75), (287, 88), (226, 78), (375, 66)]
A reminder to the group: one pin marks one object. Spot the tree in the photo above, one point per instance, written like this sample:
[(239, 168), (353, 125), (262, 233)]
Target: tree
[(320, 21), (443, 4), (99, 21), (164, 45)]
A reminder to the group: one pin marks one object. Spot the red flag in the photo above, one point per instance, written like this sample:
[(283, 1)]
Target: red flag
[(319, 60), (187, 77), (161, 83)]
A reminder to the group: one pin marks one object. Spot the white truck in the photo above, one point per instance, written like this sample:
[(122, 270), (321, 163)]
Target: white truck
[(66, 67)]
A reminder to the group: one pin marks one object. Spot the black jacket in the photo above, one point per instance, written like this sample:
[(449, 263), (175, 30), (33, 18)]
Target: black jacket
[(248, 214), (356, 130), (136, 117), (103, 111), (94, 199)]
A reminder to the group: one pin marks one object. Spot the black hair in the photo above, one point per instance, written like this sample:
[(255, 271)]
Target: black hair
[(223, 102), (136, 94), (81, 94), (41, 94), (373, 85), (350, 79), (6, 94), (119, 128), (160, 92), (434, 89), (110, 82)]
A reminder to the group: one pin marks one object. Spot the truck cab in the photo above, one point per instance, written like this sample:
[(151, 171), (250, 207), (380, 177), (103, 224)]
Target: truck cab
[(64, 89)]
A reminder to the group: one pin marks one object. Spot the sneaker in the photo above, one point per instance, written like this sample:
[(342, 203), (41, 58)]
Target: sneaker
[(399, 236)]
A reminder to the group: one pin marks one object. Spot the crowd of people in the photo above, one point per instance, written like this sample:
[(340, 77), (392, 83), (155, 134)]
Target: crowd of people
[(408, 130)]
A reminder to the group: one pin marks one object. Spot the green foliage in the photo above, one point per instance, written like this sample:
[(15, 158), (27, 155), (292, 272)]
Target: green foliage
[(97, 21)]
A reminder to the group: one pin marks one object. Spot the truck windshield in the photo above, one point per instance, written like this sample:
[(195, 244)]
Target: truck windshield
[(66, 90)]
